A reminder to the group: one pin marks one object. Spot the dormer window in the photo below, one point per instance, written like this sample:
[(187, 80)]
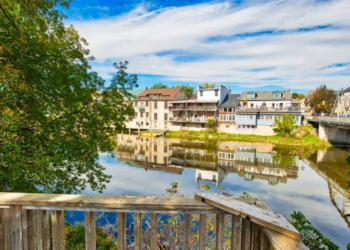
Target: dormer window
[(251, 95), (276, 95)]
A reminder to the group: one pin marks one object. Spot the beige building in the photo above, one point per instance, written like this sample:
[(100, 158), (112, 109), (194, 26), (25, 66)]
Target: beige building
[(152, 108)]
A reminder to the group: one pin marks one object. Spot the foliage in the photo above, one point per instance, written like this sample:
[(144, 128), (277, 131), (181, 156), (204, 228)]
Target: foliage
[(322, 99), (189, 91), (209, 85), (304, 130), (284, 126), (55, 112), (159, 86), (298, 96), (75, 238), (310, 236), (211, 126)]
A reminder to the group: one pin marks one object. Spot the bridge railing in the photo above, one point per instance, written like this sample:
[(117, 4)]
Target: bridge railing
[(25, 222), (331, 119)]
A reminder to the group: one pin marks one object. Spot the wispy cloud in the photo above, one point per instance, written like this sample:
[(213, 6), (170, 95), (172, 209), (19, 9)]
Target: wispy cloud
[(285, 43)]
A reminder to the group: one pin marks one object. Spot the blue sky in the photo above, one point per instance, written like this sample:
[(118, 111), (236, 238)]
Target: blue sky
[(252, 44)]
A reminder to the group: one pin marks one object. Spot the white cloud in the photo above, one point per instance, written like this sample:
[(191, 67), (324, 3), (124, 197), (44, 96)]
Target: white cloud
[(295, 59)]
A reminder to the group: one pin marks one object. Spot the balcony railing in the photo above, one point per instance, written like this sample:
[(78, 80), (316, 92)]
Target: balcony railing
[(330, 119), (273, 109), (26, 224), (194, 108), (189, 119)]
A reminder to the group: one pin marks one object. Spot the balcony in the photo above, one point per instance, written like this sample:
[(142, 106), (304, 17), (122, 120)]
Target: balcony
[(270, 109), (189, 119), (177, 107), (141, 106)]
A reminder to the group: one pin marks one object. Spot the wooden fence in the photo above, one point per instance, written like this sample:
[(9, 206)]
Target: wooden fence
[(24, 220)]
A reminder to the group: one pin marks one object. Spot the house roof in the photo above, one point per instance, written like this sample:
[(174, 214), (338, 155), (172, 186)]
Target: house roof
[(267, 95), (232, 101), (162, 94), (344, 91)]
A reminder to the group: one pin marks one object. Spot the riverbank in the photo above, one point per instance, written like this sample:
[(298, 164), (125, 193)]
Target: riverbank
[(310, 140)]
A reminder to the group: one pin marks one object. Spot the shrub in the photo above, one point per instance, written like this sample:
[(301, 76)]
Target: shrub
[(284, 126), (211, 126)]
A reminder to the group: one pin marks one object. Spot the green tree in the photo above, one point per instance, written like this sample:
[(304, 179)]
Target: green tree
[(298, 96), (295, 95), (284, 126), (159, 86), (301, 96), (189, 91), (209, 85), (322, 99), (56, 114)]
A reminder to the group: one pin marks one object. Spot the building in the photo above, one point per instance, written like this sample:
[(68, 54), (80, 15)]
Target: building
[(194, 113), (152, 108), (258, 109), (342, 103), (227, 113)]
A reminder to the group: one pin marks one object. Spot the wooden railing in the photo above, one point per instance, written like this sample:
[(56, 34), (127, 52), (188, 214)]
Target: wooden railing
[(24, 220)]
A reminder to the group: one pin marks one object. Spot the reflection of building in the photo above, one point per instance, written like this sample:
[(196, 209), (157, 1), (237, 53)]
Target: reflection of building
[(213, 162), (147, 153)]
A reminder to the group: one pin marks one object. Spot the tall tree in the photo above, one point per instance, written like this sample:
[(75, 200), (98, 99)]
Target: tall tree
[(189, 91), (55, 113), (159, 86), (209, 85), (322, 99), (298, 96)]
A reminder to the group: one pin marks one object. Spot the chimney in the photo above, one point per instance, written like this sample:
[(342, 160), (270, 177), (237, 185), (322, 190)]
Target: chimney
[(146, 88)]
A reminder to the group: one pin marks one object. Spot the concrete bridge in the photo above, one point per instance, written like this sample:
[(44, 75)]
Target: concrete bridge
[(333, 129)]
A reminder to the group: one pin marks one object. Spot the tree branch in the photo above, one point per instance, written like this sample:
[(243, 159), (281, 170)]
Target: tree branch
[(8, 18)]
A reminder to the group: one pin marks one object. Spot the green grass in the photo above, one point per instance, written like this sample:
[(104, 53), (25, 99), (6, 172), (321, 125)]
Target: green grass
[(307, 140)]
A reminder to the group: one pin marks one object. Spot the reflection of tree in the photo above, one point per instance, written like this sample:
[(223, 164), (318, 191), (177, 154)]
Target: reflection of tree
[(283, 157)]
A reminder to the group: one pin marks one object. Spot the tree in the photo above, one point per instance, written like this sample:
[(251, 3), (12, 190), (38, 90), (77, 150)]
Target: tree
[(284, 126), (56, 114), (322, 99), (189, 91), (159, 86), (298, 96), (209, 85), (211, 126)]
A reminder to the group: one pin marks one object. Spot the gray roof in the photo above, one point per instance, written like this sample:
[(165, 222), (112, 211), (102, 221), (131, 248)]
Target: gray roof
[(344, 91), (267, 95), (232, 101), (195, 101)]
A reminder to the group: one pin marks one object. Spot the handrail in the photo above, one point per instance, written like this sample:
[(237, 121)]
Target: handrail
[(25, 222), (330, 119)]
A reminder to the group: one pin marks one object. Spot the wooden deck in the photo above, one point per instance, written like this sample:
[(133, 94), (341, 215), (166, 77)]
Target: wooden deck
[(25, 222)]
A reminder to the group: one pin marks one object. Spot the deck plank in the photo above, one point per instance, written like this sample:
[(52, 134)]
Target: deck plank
[(255, 214)]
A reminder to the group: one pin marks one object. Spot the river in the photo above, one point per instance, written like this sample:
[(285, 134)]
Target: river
[(287, 178)]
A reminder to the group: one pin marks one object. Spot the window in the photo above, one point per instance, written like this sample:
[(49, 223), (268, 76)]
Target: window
[(147, 123), (155, 148), (155, 116), (229, 109), (165, 160), (165, 149), (245, 117), (276, 95), (166, 104), (135, 104), (201, 93), (216, 92), (146, 158), (251, 95), (155, 159), (141, 114), (146, 103), (165, 116), (147, 115), (225, 109), (155, 104), (136, 114), (246, 126)]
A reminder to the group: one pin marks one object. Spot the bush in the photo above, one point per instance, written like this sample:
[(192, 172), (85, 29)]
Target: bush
[(284, 127), (310, 236), (304, 130), (211, 126)]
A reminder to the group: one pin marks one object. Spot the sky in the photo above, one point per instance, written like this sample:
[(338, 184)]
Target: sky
[(247, 45)]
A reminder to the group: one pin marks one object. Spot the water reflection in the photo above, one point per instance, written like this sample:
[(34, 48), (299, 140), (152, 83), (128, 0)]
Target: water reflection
[(287, 178)]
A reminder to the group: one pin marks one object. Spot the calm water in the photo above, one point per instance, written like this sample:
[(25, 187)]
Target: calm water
[(287, 178)]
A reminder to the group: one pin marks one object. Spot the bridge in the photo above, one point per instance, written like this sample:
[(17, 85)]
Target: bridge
[(334, 129)]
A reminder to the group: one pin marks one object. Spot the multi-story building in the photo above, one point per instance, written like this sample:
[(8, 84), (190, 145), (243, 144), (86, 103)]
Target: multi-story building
[(227, 113), (257, 111), (194, 113), (342, 103), (152, 108)]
